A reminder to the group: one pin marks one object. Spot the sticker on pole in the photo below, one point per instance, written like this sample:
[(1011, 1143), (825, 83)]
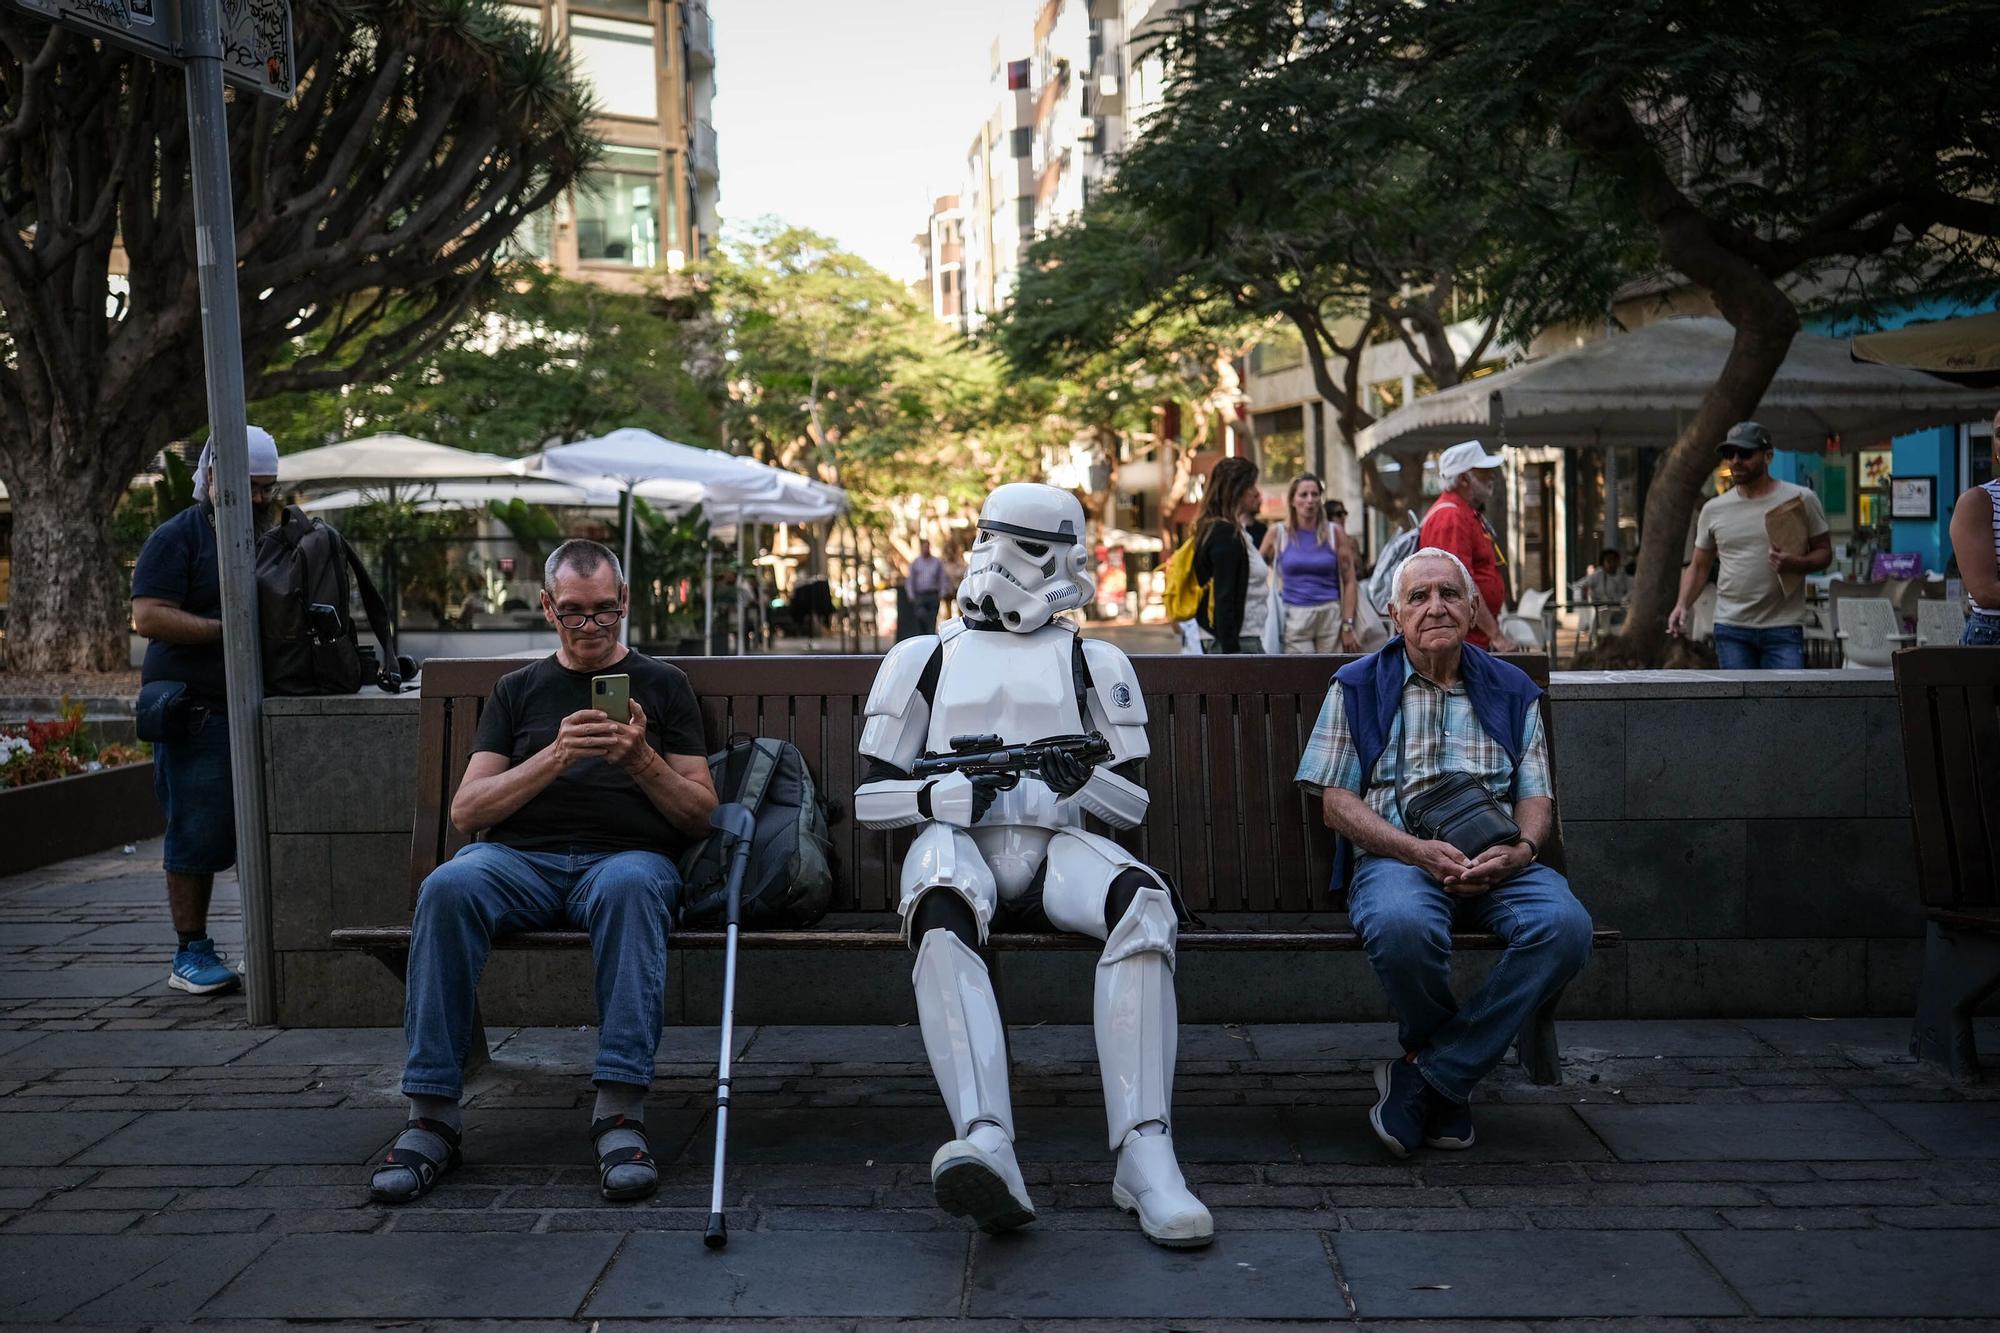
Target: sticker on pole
[(256, 34)]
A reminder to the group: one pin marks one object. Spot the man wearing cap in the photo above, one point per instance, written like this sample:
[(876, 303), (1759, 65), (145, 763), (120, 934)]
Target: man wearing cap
[(177, 603), (1758, 624), (1455, 524)]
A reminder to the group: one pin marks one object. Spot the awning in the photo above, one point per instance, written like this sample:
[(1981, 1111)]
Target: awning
[(1640, 388), (1965, 350)]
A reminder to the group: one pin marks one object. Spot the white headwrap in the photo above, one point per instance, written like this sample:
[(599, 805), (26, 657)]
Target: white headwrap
[(263, 459)]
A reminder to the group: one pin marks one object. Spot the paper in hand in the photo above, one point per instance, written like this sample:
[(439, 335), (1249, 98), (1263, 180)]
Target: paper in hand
[(1786, 527)]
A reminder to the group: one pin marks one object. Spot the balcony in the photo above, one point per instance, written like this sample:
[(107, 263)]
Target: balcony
[(700, 37), (704, 159)]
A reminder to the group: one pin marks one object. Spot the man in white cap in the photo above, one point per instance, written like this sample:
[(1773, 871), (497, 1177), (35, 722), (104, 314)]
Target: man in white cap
[(1455, 524), (177, 603)]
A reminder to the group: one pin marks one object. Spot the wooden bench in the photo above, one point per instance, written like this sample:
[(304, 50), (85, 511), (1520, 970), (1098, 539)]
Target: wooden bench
[(1228, 824), (1949, 698)]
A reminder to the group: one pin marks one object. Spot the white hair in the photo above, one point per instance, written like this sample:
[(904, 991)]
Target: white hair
[(1432, 553)]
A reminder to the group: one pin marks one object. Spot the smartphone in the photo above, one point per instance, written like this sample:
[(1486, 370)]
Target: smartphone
[(612, 695)]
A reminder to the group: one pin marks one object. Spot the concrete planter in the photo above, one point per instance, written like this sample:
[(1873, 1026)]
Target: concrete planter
[(47, 822)]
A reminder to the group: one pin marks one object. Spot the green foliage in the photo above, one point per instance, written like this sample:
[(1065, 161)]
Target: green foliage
[(533, 526), (538, 359), (429, 559), (830, 367), (142, 510), (667, 572)]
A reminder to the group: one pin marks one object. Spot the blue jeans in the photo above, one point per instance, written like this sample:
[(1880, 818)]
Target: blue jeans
[(624, 899), (1778, 648), (1405, 921), (1981, 632), (191, 779)]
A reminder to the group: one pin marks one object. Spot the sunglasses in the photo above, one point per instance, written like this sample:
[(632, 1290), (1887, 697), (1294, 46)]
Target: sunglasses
[(1734, 455)]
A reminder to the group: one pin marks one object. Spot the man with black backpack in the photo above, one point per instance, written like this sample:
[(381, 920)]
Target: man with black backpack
[(177, 603)]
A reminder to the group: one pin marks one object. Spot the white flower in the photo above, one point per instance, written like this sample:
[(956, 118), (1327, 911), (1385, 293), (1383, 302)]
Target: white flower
[(12, 747)]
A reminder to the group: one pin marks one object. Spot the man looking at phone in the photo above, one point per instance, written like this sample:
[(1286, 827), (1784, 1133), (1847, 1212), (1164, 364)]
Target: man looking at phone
[(580, 815)]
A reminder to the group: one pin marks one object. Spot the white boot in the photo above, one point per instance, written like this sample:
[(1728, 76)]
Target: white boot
[(1149, 1183), (1138, 1025), (975, 1175)]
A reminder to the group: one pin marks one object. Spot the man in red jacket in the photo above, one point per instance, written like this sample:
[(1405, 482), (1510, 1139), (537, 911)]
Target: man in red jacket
[(1455, 524)]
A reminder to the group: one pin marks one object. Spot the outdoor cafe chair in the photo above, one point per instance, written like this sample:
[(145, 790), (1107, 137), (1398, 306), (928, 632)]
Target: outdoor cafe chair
[(1870, 632), (1939, 622)]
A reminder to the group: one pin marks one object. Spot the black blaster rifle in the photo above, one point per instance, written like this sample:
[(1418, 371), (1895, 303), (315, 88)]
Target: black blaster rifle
[(1001, 765)]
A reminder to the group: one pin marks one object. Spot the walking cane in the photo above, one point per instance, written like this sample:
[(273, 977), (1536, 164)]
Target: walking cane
[(738, 824)]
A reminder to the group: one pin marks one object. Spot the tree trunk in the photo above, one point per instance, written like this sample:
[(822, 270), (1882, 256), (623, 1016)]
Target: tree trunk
[(69, 609), (1754, 358)]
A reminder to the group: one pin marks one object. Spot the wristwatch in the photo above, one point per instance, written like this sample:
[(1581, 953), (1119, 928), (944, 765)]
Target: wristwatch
[(1534, 848), (1347, 624)]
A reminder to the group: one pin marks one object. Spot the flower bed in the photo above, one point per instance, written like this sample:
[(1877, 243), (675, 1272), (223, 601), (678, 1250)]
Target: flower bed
[(63, 794)]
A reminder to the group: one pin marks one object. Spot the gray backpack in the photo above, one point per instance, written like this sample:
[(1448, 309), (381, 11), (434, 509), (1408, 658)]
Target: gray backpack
[(789, 881), (1381, 585)]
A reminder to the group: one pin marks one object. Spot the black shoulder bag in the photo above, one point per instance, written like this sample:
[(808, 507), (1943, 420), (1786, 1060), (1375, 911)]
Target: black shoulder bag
[(1458, 808)]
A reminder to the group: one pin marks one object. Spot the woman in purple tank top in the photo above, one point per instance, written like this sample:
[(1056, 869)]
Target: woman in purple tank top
[(1313, 561)]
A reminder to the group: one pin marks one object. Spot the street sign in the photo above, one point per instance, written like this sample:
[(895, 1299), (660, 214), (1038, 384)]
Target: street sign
[(256, 34)]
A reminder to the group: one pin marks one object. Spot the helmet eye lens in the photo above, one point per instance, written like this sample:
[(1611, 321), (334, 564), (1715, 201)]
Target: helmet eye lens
[(1035, 550)]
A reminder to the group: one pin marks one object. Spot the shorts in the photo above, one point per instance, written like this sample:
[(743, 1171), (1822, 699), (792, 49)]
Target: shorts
[(1312, 629), (191, 778)]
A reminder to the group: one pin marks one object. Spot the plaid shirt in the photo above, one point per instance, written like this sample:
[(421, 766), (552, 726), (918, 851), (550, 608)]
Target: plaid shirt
[(1445, 737)]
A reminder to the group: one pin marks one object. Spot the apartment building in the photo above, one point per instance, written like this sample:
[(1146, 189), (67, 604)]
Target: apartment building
[(941, 253), (651, 201)]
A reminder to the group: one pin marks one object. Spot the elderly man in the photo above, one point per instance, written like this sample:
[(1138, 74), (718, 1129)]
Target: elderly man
[(1398, 723), (177, 603), (1455, 524), (582, 817)]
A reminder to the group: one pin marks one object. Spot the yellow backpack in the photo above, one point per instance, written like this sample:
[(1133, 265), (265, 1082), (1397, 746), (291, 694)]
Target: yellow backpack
[(1185, 594)]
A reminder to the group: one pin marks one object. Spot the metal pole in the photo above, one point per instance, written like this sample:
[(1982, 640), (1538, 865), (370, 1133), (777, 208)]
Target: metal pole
[(222, 346), (627, 625), (708, 594)]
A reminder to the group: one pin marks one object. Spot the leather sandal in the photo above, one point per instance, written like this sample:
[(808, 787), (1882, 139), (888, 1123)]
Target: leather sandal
[(427, 1170), (639, 1156)]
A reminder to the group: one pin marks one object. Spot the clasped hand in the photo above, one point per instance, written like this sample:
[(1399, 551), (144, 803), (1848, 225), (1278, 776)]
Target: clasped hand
[(590, 733), (1467, 876)]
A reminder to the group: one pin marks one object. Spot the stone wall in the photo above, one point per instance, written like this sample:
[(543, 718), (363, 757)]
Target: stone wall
[(1748, 832)]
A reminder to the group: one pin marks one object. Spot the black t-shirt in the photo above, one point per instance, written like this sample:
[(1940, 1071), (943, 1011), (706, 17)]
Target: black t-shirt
[(179, 563), (593, 804)]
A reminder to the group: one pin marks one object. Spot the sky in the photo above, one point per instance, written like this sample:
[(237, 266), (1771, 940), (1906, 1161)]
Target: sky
[(849, 118)]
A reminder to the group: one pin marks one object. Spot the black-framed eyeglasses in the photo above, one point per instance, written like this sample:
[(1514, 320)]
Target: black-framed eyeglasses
[(601, 619)]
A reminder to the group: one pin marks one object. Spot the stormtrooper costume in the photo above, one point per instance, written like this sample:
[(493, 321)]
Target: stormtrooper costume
[(1007, 668)]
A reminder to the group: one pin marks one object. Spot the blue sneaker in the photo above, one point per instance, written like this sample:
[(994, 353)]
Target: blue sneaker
[(1401, 1106), (199, 970)]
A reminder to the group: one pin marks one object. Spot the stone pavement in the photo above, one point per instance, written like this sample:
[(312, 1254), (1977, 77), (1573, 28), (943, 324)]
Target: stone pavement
[(162, 1163)]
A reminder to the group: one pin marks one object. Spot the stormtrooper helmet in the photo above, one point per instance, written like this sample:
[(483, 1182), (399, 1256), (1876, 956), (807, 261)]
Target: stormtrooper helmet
[(1029, 561)]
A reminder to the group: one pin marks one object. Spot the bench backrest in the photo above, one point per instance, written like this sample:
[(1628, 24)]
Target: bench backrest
[(1949, 698), (1227, 822)]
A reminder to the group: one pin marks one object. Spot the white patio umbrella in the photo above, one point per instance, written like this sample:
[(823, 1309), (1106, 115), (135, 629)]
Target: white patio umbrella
[(389, 460), (445, 495), (1637, 388), (643, 463)]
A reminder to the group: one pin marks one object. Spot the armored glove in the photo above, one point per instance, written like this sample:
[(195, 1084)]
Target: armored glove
[(1065, 774)]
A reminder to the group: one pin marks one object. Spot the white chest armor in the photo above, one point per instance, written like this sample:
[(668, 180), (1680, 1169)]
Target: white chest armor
[(1018, 687)]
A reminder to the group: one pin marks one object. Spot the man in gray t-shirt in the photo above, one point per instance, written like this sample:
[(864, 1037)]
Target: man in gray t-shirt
[(1757, 622)]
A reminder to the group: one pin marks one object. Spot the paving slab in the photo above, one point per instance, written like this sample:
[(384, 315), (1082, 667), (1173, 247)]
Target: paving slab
[(562, 1138), (228, 934), (1860, 1274), (575, 1048), (261, 1137), (1641, 1040), (1122, 1275), (833, 1043), (44, 1138), (116, 1279), (1948, 1129), (1505, 1134), (13, 1039), (33, 934), (833, 1135), (1813, 1036), (1527, 1274), (832, 1274), (67, 983), (1293, 1043), (1201, 1134), (419, 1275), (184, 1048), (374, 1047), (1076, 1043), (1768, 1132)]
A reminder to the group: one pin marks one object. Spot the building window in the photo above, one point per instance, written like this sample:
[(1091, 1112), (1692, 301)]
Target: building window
[(1022, 141), (535, 237), (636, 9), (1024, 213), (1281, 444), (616, 58), (1017, 75), (617, 217), (1281, 349)]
